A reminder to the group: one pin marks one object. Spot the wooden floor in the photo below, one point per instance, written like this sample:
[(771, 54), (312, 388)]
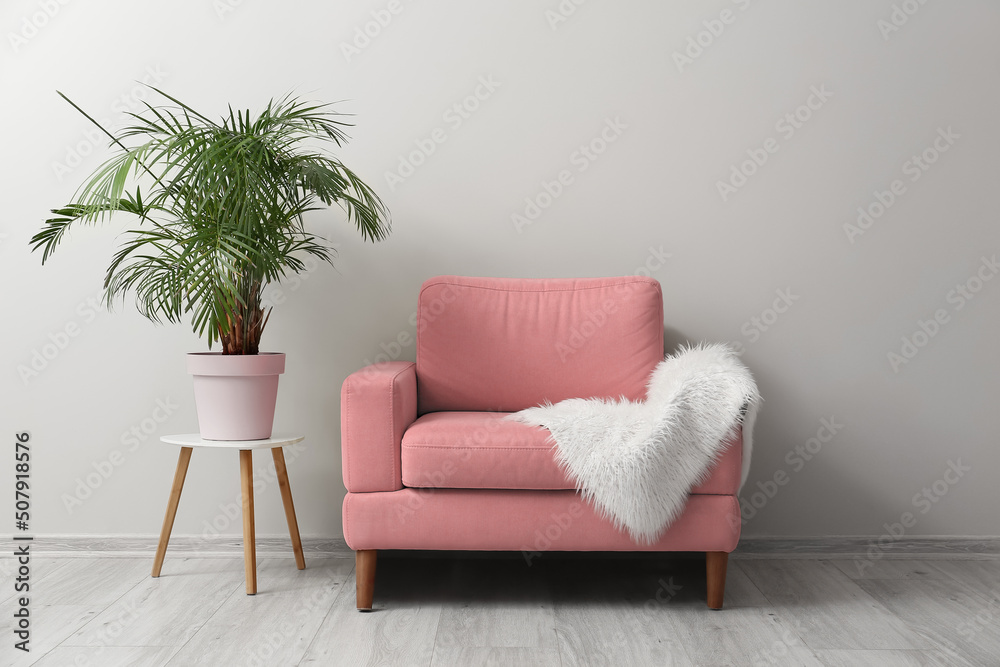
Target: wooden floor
[(448, 610)]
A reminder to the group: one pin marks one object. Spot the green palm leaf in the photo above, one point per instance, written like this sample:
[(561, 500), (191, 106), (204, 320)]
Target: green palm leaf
[(221, 211)]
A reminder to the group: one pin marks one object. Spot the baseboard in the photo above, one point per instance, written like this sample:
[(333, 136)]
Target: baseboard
[(869, 546), (231, 546), (216, 546)]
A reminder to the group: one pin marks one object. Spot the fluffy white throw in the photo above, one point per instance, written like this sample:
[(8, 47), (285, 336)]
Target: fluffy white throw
[(637, 461)]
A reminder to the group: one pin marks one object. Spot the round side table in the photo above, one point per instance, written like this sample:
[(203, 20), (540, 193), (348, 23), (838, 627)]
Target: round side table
[(187, 444)]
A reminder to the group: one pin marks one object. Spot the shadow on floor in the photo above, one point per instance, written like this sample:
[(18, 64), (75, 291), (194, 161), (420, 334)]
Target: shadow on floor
[(470, 578)]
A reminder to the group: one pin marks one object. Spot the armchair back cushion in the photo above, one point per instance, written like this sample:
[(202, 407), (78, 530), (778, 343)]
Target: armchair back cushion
[(495, 344)]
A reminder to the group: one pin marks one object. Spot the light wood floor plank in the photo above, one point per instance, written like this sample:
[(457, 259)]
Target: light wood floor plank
[(888, 658), (41, 569), (275, 626), (978, 578), (69, 595), (747, 631), (50, 626), (981, 576), (607, 612), (399, 631), (953, 619), (166, 611), (476, 612), (93, 582), (832, 610), (454, 610), (457, 656), (887, 569), (107, 656)]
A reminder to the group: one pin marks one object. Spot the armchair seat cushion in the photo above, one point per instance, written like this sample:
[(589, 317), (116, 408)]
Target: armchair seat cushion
[(481, 450)]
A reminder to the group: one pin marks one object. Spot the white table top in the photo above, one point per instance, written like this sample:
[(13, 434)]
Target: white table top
[(195, 440)]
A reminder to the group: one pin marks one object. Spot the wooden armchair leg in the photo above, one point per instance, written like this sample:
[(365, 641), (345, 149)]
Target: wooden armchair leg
[(364, 572), (715, 566)]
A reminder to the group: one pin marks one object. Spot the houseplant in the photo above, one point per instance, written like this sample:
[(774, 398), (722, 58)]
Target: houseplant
[(219, 206)]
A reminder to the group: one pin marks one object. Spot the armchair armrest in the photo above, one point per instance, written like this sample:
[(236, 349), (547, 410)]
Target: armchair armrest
[(377, 404), (724, 475)]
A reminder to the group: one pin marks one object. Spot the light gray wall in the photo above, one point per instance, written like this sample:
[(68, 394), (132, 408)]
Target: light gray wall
[(654, 189)]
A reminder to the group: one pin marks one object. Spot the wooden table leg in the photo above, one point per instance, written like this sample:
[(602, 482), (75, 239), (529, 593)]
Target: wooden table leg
[(286, 499), (172, 502), (249, 539)]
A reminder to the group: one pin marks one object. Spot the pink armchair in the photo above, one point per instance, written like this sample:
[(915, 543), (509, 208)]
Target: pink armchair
[(429, 463)]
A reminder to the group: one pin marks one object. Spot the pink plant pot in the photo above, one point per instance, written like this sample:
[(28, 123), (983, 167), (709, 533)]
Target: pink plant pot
[(235, 394)]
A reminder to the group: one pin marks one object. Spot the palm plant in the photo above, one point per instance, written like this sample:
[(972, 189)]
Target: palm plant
[(219, 207)]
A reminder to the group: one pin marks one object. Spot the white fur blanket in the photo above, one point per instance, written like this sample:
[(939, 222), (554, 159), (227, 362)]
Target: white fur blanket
[(637, 461)]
